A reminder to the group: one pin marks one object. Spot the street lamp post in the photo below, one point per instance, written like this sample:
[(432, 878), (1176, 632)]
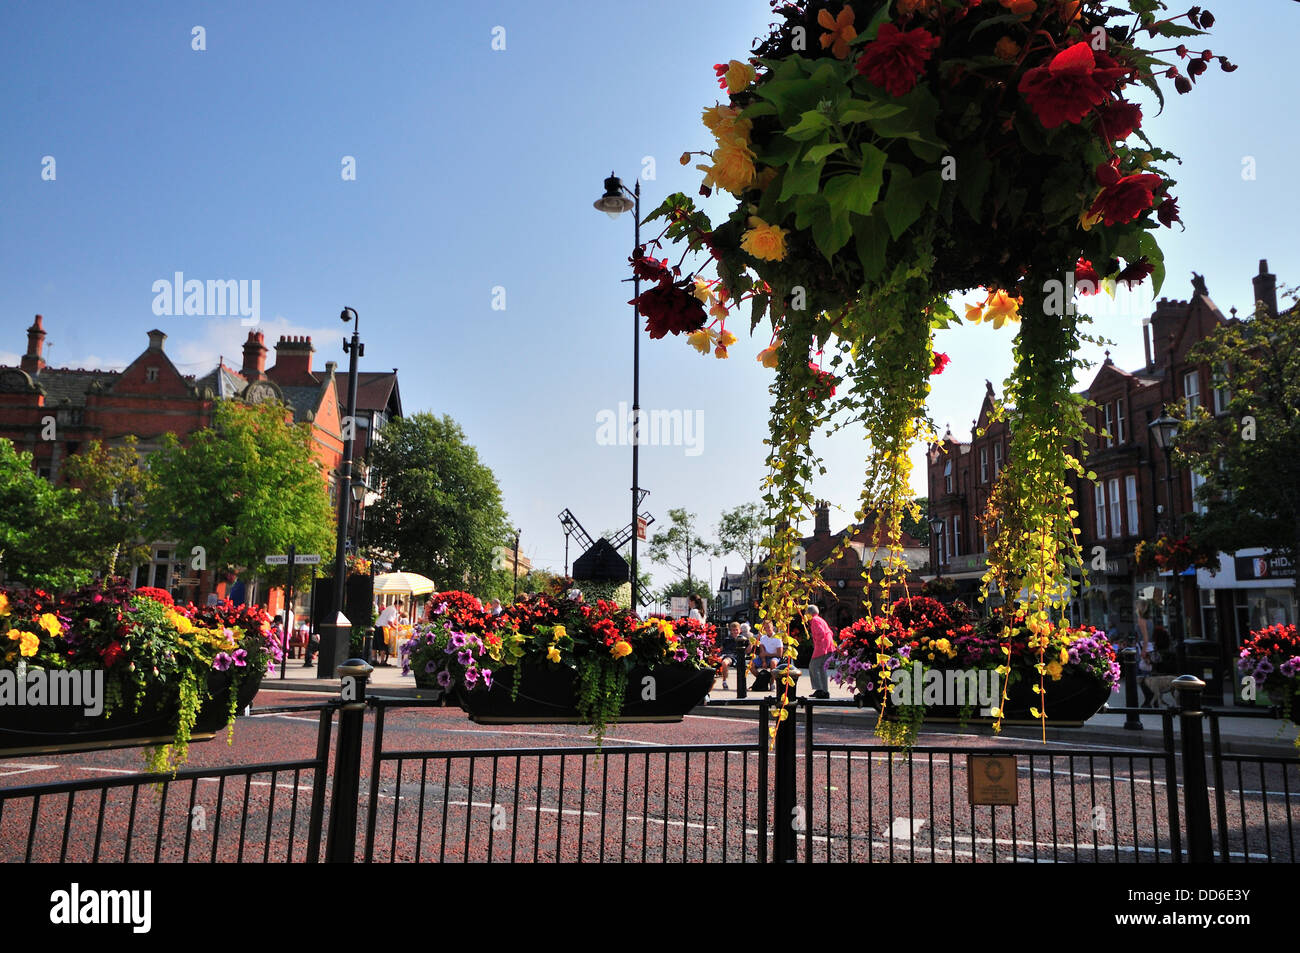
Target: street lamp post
[(334, 648), (936, 532), (516, 589), (1164, 429), (614, 203)]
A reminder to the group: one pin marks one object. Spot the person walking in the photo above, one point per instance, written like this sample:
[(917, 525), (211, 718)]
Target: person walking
[(823, 640), (387, 618)]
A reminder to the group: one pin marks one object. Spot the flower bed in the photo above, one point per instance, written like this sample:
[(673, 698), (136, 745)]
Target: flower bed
[(559, 659), (166, 670), (1013, 674)]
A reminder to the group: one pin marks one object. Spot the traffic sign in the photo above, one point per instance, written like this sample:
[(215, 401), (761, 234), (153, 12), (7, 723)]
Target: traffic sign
[(300, 559)]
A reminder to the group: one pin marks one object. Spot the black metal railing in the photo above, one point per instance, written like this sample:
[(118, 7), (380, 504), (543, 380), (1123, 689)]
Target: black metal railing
[(1256, 801), (256, 812)]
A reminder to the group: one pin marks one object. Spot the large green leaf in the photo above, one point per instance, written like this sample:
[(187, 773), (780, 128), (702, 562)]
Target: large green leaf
[(800, 178), (810, 125), (831, 231), (871, 235), (907, 197), (862, 110), (818, 153), (1148, 246)]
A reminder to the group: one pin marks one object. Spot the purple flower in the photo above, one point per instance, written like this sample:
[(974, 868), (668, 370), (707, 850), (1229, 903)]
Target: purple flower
[(487, 677), (679, 655), (464, 658), (445, 679), (471, 677), (1290, 667), (1264, 667), (240, 658), (221, 662), (430, 669), (458, 639)]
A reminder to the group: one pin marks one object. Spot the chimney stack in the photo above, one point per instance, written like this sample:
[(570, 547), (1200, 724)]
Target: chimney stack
[(822, 519), (254, 368), (293, 361), (32, 362), (156, 339), (1265, 288)]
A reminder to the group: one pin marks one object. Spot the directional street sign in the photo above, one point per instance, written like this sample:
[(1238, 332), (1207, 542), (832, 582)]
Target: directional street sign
[(301, 559)]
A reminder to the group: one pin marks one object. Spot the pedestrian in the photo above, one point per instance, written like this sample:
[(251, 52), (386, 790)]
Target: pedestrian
[(770, 651), (1146, 667), (729, 648), (388, 617), (823, 640), (495, 606), (697, 608)]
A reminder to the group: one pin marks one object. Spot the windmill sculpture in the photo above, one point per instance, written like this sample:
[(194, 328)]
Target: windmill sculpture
[(600, 560)]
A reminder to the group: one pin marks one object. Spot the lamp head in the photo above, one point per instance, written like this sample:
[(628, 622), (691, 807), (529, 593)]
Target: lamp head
[(613, 203)]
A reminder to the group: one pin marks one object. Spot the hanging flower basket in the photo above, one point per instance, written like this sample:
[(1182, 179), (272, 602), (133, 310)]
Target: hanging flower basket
[(885, 157)]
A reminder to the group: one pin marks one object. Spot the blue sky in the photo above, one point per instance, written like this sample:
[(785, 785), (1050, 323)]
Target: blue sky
[(475, 170)]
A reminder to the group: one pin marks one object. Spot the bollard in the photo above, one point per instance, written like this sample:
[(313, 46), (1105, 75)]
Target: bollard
[(1196, 795), (787, 817), (341, 840), (1129, 663), (742, 671)]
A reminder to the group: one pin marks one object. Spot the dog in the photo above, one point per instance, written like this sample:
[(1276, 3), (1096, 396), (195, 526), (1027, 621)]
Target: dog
[(1160, 685)]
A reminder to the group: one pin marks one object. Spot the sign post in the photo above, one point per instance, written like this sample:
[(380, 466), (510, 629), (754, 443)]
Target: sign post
[(292, 559)]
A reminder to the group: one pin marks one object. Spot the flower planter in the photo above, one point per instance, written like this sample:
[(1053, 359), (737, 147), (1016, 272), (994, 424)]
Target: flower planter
[(32, 730), (550, 696), (1071, 701)]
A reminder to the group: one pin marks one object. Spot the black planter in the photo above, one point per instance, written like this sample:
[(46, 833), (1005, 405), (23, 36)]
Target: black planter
[(550, 696), (1071, 701), (25, 730)]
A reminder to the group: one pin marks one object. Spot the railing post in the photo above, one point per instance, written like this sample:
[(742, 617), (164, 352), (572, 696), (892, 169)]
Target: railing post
[(786, 816), (1129, 663), (341, 841), (315, 820), (742, 673), (1196, 796)]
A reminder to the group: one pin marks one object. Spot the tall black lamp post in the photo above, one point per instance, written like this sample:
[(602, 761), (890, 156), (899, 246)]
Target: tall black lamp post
[(617, 200), (336, 636), (566, 523), (516, 563), (1164, 430), (936, 533)]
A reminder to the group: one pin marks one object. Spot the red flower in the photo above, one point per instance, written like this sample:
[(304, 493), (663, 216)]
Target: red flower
[(1085, 273), (111, 654), (1067, 88), (650, 269), (1118, 118), (670, 308), (940, 362), (894, 59), (1136, 272), (1167, 212), (1124, 198), (720, 70)]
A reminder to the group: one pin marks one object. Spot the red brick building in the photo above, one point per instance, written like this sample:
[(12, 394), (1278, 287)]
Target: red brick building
[(52, 412), (1130, 501)]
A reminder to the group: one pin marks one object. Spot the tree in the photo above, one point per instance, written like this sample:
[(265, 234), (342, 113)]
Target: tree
[(246, 487), (742, 530), (37, 542), (112, 492), (918, 527), (680, 588), (679, 546), (440, 507), (1247, 454)]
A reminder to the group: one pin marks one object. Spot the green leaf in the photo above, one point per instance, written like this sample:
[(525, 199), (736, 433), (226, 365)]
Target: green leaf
[(812, 124), (800, 178), (818, 153), (1148, 246), (779, 151), (871, 235), (861, 110), (973, 171), (831, 231), (907, 197), (758, 108)]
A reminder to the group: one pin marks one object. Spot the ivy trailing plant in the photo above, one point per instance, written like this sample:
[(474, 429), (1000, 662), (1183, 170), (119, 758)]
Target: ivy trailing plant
[(885, 155)]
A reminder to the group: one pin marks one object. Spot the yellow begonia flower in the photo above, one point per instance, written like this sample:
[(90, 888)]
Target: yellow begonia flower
[(701, 340), (702, 291), (1065, 656), (725, 123), (4, 604), (1054, 669), (1002, 308), (974, 313), (29, 643), (552, 654), (738, 75), (558, 633), (50, 623), (733, 167), (620, 649), (767, 356), (764, 241)]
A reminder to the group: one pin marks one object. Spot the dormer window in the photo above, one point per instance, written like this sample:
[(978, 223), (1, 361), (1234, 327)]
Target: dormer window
[(150, 374)]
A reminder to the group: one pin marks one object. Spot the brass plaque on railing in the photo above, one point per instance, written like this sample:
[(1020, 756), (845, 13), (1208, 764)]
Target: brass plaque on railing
[(991, 779)]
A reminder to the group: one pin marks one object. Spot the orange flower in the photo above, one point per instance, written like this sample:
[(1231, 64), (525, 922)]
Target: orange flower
[(767, 357), (620, 649), (1007, 49), (908, 7), (839, 31), (1020, 7)]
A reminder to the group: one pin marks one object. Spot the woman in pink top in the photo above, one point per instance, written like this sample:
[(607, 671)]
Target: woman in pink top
[(823, 640)]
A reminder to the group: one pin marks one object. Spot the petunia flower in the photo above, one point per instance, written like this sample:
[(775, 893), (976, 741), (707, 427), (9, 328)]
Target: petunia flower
[(220, 663)]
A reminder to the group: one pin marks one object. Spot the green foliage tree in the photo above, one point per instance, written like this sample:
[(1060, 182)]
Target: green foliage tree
[(440, 508), (37, 521), (742, 530), (112, 491), (1247, 454), (918, 525), (697, 587), (680, 545), (244, 488)]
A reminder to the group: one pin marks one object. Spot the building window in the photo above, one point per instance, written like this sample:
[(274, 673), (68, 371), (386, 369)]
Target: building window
[(956, 535), (984, 464), (1131, 495), (1110, 427), (43, 472), (997, 458), (1198, 481), (1099, 509), (1222, 395), (151, 375), (947, 477), (1191, 391), (1120, 422), (1116, 519)]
